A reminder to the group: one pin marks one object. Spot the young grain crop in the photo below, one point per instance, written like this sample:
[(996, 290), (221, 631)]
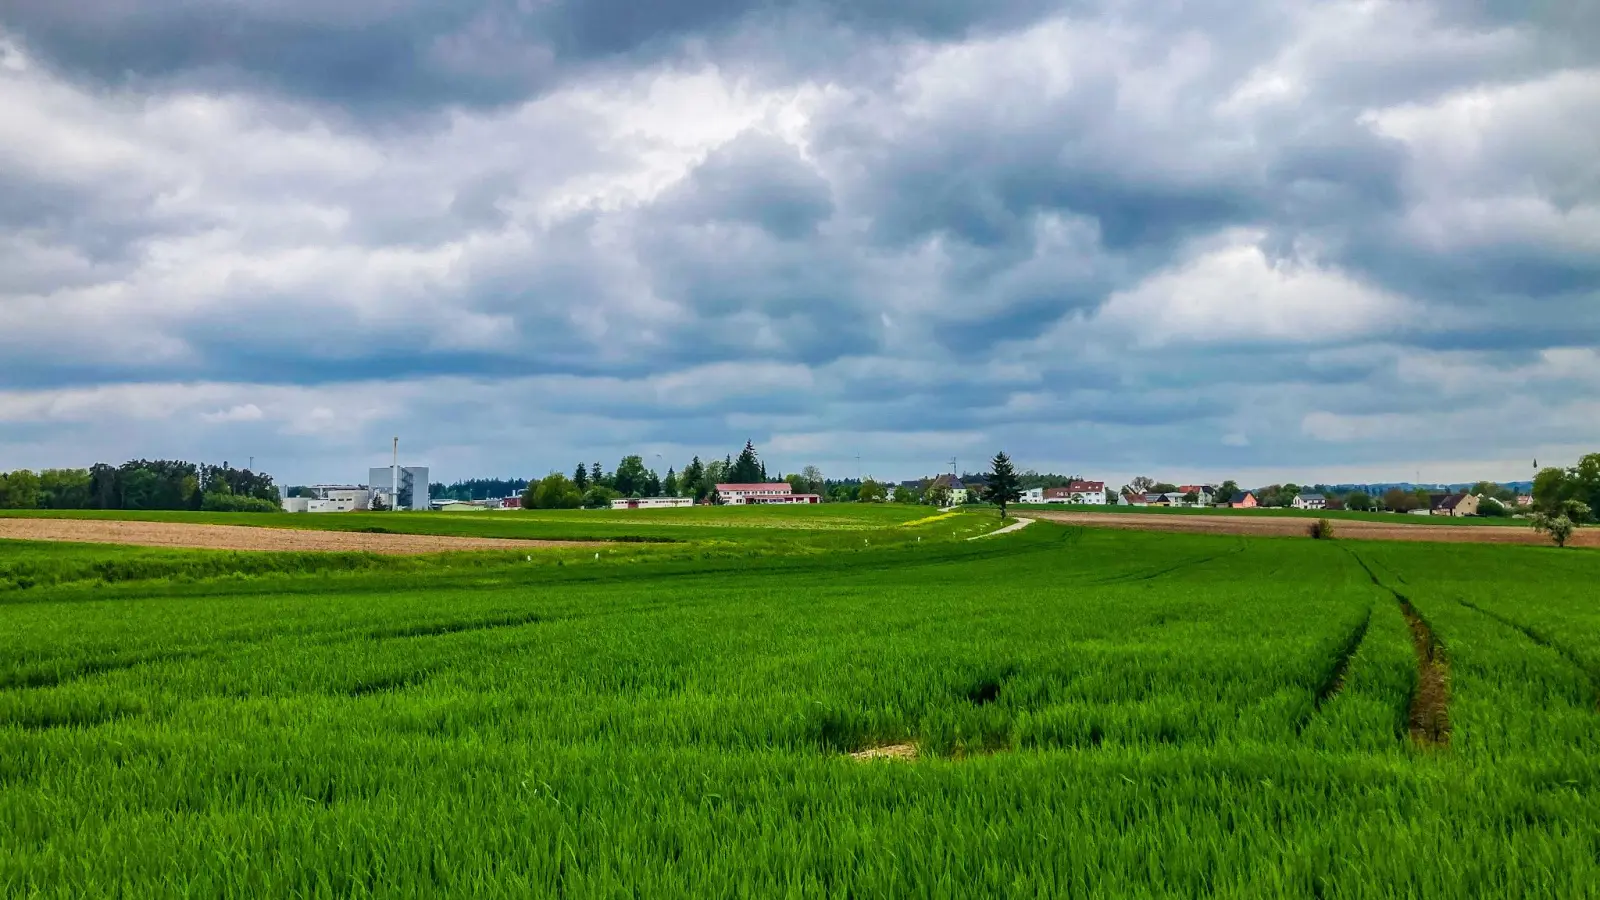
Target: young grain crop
[(1097, 714)]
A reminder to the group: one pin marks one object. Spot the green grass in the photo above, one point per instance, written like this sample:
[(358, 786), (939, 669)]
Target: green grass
[(705, 522), (1100, 713), (1386, 518)]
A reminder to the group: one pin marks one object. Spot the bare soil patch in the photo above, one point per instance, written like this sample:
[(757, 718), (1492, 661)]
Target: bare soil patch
[(891, 751), (1430, 706), (1298, 527), (238, 537)]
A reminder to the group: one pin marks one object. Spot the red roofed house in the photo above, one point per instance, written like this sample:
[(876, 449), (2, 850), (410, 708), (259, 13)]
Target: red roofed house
[(753, 494), (1082, 492)]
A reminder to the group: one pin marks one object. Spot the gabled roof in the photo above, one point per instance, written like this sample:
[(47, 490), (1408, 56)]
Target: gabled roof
[(1446, 501), (770, 486), (949, 481), (1086, 487), (1313, 497), (1238, 496)]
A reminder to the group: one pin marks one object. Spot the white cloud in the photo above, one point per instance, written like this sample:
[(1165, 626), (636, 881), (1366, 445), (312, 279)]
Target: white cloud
[(1234, 293), (1503, 162)]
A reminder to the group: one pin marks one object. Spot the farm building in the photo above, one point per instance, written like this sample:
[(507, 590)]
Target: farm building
[(752, 494), (1242, 500), (651, 502)]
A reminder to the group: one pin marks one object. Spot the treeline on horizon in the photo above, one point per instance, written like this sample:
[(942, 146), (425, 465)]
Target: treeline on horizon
[(591, 486), (141, 484)]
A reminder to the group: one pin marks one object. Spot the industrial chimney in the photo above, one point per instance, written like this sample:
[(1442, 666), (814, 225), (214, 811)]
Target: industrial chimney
[(394, 477)]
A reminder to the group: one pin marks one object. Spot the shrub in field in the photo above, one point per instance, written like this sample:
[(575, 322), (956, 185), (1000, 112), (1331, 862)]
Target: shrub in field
[(1322, 530), (1565, 521), (219, 502), (1559, 528)]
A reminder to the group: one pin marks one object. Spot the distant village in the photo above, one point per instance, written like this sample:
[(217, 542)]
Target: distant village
[(743, 480)]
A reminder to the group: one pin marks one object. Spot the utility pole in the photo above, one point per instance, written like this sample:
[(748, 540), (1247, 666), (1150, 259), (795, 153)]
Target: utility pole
[(953, 466)]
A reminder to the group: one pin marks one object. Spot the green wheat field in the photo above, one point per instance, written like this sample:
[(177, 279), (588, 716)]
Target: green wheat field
[(1094, 714)]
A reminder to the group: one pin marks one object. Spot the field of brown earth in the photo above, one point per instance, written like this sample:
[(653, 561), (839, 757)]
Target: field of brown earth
[(235, 537), (1343, 528)]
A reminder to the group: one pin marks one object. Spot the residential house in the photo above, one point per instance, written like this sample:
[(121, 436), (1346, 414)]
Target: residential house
[(1204, 494), (1453, 505), (959, 492), (1033, 495), (1092, 493), (1524, 499), (1133, 498), (758, 494), (1242, 500), (1309, 501)]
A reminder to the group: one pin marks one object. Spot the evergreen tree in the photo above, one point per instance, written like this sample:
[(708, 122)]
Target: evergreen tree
[(1003, 485), (694, 480), (581, 478), (669, 485), (747, 469), (597, 476)]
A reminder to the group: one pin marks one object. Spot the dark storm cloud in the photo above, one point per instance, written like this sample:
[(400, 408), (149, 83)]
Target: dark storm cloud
[(1181, 228), (399, 55)]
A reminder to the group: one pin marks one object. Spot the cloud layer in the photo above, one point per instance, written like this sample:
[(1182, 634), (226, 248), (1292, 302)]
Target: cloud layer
[(1109, 236)]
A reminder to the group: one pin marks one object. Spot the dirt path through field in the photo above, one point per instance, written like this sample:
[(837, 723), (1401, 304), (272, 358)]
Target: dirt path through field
[(236, 537), (1291, 525)]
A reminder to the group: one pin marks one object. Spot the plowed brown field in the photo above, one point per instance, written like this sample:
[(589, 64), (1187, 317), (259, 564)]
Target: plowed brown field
[(235, 537), (1344, 528)]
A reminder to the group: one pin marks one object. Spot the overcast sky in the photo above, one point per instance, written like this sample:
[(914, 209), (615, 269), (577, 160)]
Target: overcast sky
[(1261, 239)]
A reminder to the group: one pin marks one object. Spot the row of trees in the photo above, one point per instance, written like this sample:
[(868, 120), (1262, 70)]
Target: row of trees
[(477, 489), (592, 486), (141, 484)]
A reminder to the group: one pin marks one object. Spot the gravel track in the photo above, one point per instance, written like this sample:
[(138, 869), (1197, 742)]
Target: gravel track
[(237, 537)]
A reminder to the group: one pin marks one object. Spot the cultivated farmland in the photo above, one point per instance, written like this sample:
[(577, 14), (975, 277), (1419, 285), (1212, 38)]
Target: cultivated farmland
[(1093, 712)]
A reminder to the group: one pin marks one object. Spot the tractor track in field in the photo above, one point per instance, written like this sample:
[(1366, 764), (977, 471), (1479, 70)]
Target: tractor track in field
[(1335, 681), (1188, 563), (41, 679), (1429, 714), (1542, 641)]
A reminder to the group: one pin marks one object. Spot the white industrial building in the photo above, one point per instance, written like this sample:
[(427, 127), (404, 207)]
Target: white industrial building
[(412, 484), (331, 498)]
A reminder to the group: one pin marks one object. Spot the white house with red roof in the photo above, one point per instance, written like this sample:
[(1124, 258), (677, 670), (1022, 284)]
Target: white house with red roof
[(755, 494), (1092, 493)]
